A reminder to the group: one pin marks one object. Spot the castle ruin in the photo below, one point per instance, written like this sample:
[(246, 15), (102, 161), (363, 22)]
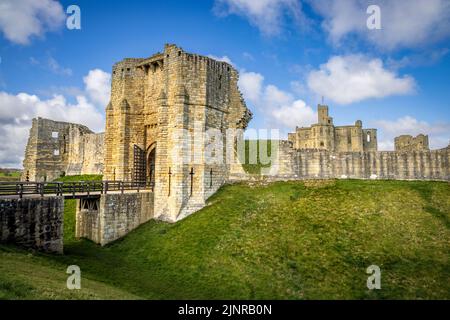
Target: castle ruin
[(55, 149), (324, 151), (325, 136), (410, 143), (171, 114)]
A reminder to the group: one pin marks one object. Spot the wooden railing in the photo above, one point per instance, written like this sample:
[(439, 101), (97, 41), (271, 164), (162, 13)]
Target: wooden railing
[(70, 189)]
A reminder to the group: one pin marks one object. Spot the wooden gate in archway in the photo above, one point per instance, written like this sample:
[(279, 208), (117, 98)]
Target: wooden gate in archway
[(140, 168)]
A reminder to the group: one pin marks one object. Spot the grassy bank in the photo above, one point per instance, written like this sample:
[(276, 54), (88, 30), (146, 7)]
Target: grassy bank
[(286, 240), (7, 175)]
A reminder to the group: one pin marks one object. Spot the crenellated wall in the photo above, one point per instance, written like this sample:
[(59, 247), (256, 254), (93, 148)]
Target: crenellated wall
[(322, 164)]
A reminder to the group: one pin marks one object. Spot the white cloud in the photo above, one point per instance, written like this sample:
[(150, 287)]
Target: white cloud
[(296, 113), (267, 15), (56, 68), (51, 64), (13, 138), (98, 86), (248, 56), (439, 133), (353, 78), (405, 24), (251, 84), (280, 108), (17, 110), (223, 58), (22, 19)]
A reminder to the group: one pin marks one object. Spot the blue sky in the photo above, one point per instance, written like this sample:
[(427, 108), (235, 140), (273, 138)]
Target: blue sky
[(289, 53)]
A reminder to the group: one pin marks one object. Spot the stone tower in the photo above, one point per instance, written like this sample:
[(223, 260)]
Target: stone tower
[(324, 135), (322, 111), (156, 123)]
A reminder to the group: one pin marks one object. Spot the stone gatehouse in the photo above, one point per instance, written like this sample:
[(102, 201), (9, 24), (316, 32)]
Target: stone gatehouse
[(157, 104)]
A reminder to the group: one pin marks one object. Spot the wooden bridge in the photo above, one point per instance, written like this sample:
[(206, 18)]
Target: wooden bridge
[(70, 190)]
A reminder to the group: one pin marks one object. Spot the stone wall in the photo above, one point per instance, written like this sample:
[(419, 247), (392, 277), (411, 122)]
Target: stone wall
[(410, 143), (157, 104), (35, 223), (57, 148), (322, 164), (112, 216)]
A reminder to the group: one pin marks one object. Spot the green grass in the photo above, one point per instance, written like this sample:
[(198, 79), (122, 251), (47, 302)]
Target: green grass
[(84, 177), (9, 175), (247, 163), (286, 240)]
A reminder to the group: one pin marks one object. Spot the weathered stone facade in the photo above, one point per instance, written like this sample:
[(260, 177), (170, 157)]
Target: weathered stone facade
[(325, 136), (35, 223), (293, 164), (112, 216), (58, 148), (156, 121), (410, 143)]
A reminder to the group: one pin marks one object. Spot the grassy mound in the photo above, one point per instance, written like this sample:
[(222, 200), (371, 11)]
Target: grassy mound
[(286, 240)]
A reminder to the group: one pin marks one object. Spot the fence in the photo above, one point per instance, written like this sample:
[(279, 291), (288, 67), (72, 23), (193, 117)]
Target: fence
[(70, 189)]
